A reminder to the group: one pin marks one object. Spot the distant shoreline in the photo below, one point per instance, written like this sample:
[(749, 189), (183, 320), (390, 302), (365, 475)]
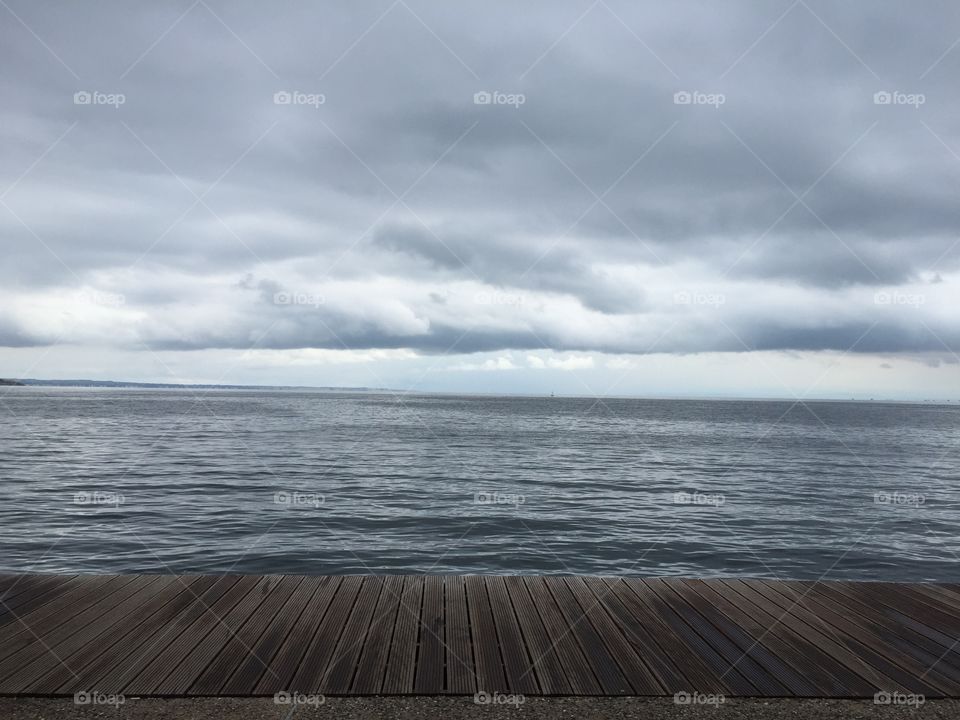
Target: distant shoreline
[(33, 382), (122, 384)]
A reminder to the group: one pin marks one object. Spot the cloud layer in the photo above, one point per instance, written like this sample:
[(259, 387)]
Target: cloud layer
[(562, 176)]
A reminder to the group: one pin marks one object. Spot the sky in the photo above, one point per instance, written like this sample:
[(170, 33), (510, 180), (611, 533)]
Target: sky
[(596, 197)]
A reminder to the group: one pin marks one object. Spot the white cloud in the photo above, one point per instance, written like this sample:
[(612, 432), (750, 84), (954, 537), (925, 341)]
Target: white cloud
[(491, 364)]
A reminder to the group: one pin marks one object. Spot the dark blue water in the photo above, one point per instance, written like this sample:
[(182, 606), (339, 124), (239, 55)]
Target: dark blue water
[(300, 482)]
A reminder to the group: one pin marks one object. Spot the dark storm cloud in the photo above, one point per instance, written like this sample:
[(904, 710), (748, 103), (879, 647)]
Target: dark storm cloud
[(594, 201)]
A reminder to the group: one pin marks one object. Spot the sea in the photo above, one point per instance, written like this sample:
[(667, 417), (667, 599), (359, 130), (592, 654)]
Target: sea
[(125, 480)]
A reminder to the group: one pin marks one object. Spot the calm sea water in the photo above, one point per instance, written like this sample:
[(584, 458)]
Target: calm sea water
[(95, 480)]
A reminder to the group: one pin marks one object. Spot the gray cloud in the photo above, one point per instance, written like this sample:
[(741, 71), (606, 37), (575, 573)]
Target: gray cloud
[(579, 215)]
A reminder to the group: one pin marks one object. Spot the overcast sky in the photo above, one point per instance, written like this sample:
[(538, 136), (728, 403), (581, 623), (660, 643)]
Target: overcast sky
[(581, 197)]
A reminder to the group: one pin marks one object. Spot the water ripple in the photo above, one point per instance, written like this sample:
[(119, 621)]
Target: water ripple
[(108, 480)]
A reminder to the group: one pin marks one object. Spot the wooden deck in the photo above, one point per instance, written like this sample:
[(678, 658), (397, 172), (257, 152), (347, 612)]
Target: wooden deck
[(248, 635)]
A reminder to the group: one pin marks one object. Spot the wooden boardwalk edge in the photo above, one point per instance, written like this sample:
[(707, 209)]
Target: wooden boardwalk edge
[(493, 637)]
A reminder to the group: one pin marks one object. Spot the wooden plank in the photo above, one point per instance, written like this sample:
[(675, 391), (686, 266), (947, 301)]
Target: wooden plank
[(680, 667), (905, 671), (661, 666), (491, 678), (458, 645), (290, 653), (517, 662), (243, 635), (114, 640), (227, 628), (33, 661), (720, 668), (832, 655), (125, 649), (429, 677), (603, 664), (48, 617), (338, 676), (372, 665), (310, 673), (737, 648), (203, 622), (583, 680), (939, 600), (794, 661), (848, 650), (260, 661), (401, 663), (34, 593), (21, 585), (118, 675), (901, 666), (641, 678), (927, 658), (875, 606), (240, 645), (948, 596), (545, 661), (927, 610), (8, 579)]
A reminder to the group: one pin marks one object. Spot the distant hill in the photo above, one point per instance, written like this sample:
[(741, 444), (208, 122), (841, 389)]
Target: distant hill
[(10, 382)]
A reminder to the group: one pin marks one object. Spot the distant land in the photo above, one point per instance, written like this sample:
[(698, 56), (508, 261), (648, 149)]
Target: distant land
[(34, 382), (161, 386)]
